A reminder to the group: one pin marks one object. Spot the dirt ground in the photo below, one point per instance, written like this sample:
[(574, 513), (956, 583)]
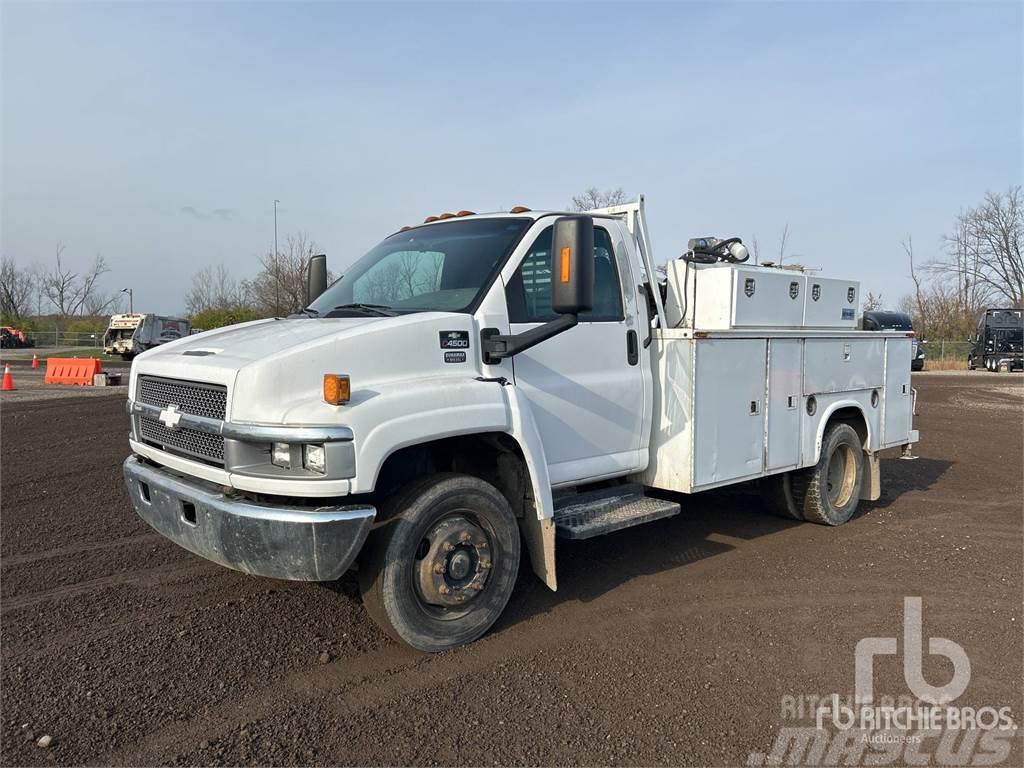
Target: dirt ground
[(674, 643)]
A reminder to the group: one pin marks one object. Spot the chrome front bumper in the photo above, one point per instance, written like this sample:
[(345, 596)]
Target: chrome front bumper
[(278, 541)]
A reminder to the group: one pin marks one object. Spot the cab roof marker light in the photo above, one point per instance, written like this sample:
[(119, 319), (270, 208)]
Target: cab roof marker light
[(465, 213), (430, 219), (446, 215), (520, 209)]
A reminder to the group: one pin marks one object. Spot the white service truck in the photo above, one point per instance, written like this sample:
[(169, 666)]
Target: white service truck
[(132, 333), (482, 381)]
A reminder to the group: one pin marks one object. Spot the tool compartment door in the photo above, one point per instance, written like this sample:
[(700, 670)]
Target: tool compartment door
[(782, 440), (729, 412), (899, 401)]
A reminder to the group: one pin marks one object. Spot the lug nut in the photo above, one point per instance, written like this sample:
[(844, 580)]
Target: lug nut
[(485, 565), (465, 536), (443, 589), (439, 568), (448, 546)]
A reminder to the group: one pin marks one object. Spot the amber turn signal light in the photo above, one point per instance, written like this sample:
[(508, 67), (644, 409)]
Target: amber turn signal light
[(337, 388)]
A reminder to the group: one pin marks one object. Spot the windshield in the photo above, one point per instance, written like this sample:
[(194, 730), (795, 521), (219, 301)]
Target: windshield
[(443, 267)]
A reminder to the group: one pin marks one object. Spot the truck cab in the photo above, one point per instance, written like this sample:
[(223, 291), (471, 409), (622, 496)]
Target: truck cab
[(481, 384)]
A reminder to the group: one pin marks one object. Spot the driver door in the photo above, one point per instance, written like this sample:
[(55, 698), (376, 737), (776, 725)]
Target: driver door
[(585, 385)]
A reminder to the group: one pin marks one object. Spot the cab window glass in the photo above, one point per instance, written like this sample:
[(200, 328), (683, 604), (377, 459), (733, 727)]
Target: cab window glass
[(529, 292)]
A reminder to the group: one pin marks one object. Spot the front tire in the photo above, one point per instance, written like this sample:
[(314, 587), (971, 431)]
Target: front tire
[(828, 492), (438, 572)]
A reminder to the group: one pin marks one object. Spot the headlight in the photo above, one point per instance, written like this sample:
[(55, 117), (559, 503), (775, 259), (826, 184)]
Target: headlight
[(314, 459), (281, 455)]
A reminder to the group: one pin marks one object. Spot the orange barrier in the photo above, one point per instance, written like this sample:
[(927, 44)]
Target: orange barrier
[(71, 370)]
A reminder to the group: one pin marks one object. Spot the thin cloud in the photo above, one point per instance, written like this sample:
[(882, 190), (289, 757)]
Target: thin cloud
[(196, 213)]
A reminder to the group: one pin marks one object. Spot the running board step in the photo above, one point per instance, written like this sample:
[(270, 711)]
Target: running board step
[(594, 513)]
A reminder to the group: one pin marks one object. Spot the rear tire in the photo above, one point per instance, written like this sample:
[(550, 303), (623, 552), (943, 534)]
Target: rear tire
[(828, 492), (970, 363), (438, 572)]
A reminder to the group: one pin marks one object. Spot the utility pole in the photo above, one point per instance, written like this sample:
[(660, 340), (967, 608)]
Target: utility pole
[(277, 267), (130, 304)]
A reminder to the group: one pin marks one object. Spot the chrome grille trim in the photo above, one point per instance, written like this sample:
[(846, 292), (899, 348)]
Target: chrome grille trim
[(196, 398)]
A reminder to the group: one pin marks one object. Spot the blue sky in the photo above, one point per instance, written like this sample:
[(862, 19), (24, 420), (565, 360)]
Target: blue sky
[(160, 134)]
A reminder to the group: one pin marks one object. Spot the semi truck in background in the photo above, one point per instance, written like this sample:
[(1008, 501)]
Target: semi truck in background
[(130, 334), (999, 341), (482, 381)]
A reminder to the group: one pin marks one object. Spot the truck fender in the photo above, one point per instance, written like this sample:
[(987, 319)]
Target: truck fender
[(827, 414), (538, 531)]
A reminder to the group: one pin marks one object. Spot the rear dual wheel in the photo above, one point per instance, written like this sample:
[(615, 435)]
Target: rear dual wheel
[(827, 493), (439, 570)]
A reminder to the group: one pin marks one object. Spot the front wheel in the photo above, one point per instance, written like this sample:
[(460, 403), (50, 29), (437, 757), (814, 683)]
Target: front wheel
[(828, 492), (439, 570)]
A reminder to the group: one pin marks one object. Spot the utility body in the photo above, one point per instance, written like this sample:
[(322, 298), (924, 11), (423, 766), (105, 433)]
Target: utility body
[(482, 384)]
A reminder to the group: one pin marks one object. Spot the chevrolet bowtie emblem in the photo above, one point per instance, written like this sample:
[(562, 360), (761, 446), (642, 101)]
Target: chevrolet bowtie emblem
[(170, 416)]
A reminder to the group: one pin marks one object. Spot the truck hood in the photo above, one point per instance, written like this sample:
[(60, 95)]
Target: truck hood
[(274, 369)]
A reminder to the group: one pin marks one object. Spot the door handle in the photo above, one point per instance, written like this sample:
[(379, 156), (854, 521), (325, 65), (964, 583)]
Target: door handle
[(632, 348)]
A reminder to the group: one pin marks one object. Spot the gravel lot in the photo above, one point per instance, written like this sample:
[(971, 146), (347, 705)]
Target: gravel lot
[(668, 644)]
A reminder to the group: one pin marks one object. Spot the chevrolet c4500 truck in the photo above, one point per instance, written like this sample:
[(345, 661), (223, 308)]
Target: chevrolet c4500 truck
[(482, 385)]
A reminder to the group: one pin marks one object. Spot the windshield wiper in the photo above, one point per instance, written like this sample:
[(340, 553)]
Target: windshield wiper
[(380, 310)]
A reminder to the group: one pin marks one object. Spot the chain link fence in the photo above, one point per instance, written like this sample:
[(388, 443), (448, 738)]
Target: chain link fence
[(52, 339), (947, 350)]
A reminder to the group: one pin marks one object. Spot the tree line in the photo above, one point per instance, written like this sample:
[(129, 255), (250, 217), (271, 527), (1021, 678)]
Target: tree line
[(980, 267), (216, 298)]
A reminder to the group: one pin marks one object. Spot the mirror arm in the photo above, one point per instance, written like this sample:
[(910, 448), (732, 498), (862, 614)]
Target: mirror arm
[(496, 346)]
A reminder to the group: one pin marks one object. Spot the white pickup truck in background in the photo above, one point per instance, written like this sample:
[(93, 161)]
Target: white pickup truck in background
[(482, 381)]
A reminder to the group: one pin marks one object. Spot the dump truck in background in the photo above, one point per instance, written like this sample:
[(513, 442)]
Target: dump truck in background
[(133, 333)]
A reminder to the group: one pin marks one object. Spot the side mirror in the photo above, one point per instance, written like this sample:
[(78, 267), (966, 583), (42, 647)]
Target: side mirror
[(572, 265), (316, 277)]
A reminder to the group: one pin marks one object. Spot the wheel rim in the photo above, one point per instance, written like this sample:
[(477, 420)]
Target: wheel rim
[(453, 562), (842, 474)]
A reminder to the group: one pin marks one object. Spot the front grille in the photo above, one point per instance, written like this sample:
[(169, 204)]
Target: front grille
[(209, 400), (195, 398), (200, 445)]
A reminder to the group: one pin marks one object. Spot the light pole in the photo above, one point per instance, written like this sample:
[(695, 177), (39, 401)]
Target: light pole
[(130, 304), (277, 267)]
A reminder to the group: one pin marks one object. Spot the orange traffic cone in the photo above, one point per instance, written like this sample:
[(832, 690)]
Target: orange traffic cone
[(35, 361), (8, 385)]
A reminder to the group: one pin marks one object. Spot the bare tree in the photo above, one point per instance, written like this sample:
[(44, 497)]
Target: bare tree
[(72, 293), (872, 302), (17, 289), (280, 287), (782, 244), (983, 254), (213, 288), (592, 198)]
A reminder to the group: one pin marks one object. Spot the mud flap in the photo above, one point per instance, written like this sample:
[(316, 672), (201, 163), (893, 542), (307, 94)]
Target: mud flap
[(871, 480), (539, 536)]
